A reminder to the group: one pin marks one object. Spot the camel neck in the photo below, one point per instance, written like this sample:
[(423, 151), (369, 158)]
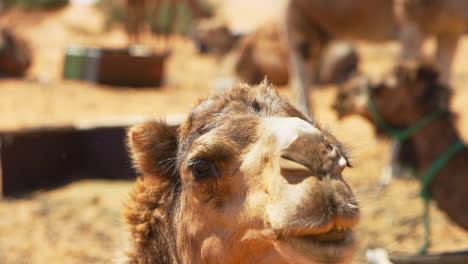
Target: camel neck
[(433, 141)]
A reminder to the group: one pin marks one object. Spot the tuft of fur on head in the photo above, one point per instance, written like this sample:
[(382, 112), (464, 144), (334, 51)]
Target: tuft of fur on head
[(240, 100)]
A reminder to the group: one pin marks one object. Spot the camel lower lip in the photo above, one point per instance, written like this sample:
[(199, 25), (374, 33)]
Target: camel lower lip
[(315, 249), (331, 239)]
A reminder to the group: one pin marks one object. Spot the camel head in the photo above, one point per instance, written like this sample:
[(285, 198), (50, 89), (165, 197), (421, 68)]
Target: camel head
[(246, 179), (409, 93), (352, 96), (214, 37)]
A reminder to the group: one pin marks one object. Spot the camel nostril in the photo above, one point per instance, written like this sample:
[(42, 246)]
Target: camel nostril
[(340, 166)]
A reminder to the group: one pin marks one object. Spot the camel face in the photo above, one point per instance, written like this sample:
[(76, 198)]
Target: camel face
[(352, 96), (214, 37), (262, 54), (403, 97), (309, 204), (251, 180), (409, 93)]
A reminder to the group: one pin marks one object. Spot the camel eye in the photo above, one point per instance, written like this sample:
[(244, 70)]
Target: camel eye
[(202, 169), (377, 90), (357, 91)]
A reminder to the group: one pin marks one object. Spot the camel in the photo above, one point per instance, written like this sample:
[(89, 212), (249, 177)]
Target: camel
[(213, 36), (136, 11), (15, 54), (402, 155), (261, 54), (264, 53), (411, 93), (446, 20), (247, 178), (309, 25)]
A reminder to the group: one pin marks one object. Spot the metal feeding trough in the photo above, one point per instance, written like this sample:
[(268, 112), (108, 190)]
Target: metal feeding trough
[(136, 66), (48, 157), (457, 257)]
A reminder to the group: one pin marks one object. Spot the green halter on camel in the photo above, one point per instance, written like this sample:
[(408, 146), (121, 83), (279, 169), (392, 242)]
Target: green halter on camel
[(401, 135)]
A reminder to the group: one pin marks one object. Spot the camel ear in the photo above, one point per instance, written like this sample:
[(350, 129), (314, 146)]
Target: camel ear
[(400, 75), (427, 73), (411, 72), (421, 77), (153, 149), (427, 76), (430, 89)]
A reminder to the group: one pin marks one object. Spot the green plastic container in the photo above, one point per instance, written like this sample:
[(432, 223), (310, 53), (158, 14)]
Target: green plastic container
[(74, 64)]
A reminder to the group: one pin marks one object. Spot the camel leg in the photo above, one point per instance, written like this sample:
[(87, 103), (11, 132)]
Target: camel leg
[(300, 80), (196, 9), (392, 169), (446, 48), (135, 20), (411, 42), (305, 43)]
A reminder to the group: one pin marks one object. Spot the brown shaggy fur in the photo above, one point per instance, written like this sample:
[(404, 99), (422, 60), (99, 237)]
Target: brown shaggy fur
[(149, 209), (153, 200)]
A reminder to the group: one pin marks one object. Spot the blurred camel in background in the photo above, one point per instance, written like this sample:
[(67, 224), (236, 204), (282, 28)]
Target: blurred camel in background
[(213, 36), (264, 53), (311, 24), (412, 98), (446, 20), (137, 10), (15, 54)]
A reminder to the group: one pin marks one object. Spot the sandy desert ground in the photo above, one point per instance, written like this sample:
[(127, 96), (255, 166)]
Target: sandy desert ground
[(80, 223)]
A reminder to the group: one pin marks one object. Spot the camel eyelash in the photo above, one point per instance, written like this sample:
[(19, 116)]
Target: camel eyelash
[(203, 169)]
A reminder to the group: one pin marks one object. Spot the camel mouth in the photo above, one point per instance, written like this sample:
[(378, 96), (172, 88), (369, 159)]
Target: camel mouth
[(335, 236), (336, 245)]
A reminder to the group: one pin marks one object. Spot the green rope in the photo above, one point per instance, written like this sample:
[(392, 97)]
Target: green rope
[(427, 228), (401, 135), (426, 179), (436, 166)]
